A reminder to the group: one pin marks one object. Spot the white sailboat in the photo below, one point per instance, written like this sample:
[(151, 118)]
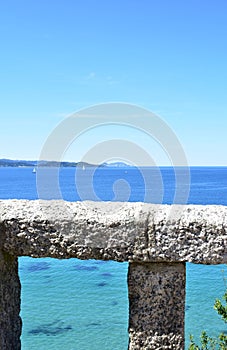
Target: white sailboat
[(34, 171)]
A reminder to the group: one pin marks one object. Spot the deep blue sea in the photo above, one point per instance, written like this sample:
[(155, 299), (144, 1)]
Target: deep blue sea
[(83, 305)]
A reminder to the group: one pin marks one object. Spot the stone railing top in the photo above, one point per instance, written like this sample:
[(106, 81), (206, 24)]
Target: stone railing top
[(134, 232)]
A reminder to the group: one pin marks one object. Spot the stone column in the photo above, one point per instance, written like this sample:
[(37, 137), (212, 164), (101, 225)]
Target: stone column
[(156, 306), (10, 321)]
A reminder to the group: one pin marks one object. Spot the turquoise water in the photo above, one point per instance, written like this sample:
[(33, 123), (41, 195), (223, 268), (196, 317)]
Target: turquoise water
[(204, 285), (74, 304), (83, 304)]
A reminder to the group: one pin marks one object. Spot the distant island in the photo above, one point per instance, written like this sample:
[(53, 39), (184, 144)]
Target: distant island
[(44, 163), (117, 165)]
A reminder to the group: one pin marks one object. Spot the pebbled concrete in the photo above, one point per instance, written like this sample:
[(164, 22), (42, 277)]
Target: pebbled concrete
[(156, 306), (134, 232), (10, 321)]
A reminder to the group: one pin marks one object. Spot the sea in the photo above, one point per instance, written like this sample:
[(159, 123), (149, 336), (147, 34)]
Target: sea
[(83, 305)]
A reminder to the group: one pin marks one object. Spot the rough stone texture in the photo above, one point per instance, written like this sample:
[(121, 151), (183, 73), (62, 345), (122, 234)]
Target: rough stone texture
[(155, 239), (156, 306), (10, 321), (131, 232)]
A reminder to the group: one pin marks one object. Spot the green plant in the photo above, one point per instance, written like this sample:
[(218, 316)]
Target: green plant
[(222, 309), (209, 343)]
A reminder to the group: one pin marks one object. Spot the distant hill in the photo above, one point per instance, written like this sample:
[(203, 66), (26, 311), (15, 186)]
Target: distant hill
[(43, 163), (17, 163), (117, 165)]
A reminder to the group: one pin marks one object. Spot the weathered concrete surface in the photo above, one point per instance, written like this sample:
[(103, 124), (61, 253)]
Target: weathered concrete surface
[(155, 239), (10, 321), (156, 306), (134, 232)]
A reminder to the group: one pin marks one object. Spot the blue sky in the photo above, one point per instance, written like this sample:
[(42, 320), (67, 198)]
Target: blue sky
[(167, 56)]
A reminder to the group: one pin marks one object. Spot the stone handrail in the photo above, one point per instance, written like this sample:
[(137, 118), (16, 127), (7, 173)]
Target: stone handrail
[(156, 240)]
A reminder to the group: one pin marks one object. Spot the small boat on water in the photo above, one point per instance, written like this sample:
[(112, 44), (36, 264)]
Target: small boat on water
[(34, 171)]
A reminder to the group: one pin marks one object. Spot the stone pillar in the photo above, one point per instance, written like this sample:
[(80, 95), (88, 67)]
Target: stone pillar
[(156, 306), (10, 321)]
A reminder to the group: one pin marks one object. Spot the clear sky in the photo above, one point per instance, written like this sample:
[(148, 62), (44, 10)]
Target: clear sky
[(167, 56)]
